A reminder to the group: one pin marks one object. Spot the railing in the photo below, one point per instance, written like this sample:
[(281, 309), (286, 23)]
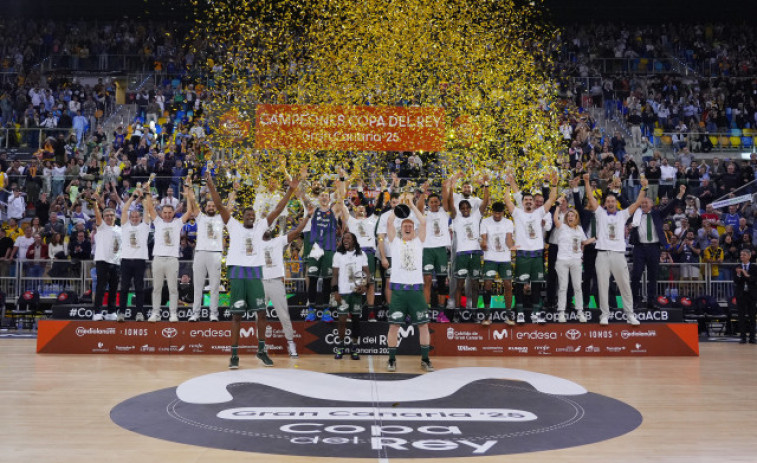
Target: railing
[(31, 139), (729, 140)]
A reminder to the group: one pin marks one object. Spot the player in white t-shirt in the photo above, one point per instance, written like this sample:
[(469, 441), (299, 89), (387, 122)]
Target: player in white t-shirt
[(107, 259), (135, 230), (407, 284), (349, 282), (364, 228), (611, 250), (529, 242), (436, 249), (165, 255), (568, 263), (496, 242), (245, 261)]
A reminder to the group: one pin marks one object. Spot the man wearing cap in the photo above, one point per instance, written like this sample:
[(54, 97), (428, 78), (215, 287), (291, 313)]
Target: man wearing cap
[(529, 241), (407, 283)]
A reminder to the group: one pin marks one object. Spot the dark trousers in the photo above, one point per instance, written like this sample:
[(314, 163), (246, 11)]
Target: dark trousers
[(133, 270), (107, 276), (645, 256), (745, 303), (589, 283), (552, 275)]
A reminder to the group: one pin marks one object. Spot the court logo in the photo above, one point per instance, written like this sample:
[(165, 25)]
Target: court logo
[(436, 415)]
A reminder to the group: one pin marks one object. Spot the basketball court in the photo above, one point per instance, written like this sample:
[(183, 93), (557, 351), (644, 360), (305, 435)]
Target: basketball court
[(127, 408)]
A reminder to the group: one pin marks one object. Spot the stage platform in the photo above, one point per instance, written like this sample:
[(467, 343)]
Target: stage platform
[(448, 339)]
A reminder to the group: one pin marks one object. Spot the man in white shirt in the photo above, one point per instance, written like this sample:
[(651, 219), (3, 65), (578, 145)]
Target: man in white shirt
[(667, 179), (165, 255), (273, 277), (107, 260), (207, 255), (529, 239), (611, 250), (245, 261), (348, 283), (21, 245), (496, 242), (364, 228), (135, 230), (436, 248), (16, 205)]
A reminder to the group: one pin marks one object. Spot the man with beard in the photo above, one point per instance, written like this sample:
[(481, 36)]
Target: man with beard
[(363, 227), (529, 239), (245, 261), (349, 281), (496, 242), (435, 248), (135, 230)]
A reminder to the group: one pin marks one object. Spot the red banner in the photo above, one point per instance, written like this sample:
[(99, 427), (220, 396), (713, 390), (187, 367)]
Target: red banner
[(459, 339), (347, 128)]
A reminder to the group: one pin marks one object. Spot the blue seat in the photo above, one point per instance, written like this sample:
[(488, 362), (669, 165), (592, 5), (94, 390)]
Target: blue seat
[(746, 142)]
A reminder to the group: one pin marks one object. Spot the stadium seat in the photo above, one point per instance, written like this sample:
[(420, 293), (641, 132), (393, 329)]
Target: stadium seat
[(724, 141), (747, 132), (735, 142), (736, 132), (666, 141), (713, 140), (746, 142), (657, 132)]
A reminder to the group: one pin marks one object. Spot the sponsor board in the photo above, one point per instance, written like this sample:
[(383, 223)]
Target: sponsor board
[(456, 339), (385, 416)]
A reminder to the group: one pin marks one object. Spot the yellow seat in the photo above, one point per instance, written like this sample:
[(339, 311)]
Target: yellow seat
[(666, 140), (162, 120), (713, 140), (735, 141), (724, 142), (748, 132), (658, 132)]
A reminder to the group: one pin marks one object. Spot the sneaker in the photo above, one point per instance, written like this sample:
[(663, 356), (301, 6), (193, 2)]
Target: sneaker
[(521, 318), (469, 304), (372, 316), (426, 365), (561, 317), (98, 317), (339, 353), (451, 303), (140, 317), (539, 318), (111, 317), (441, 318), (214, 317), (632, 320), (155, 317), (120, 317), (234, 362), (263, 356), (173, 318), (292, 348), (311, 316), (194, 317), (486, 322), (354, 356), (604, 320), (391, 365), (326, 317), (509, 321), (581, 317)]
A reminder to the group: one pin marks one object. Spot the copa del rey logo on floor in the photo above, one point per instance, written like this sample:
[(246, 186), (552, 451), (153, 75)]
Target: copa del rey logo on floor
[(436, 415)]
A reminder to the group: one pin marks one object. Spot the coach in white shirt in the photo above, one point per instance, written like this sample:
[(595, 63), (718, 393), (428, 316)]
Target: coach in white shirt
[(135, 230)]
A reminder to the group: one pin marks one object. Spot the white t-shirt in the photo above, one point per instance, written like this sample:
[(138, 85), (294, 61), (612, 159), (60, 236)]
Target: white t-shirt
[(611, 230), (23, 243), (467, 231), (134, 240), (528, 230), (407, 263), (554, 237), (167, 236), (109, 246), (209, 233), (381, 228), (364, 230), (244, 243), (475, 202), (496, 239), (569, 244), (349, 264), (437, 230), (273, 255)]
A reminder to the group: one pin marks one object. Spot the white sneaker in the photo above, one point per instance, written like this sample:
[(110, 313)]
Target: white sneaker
[(292, 348), (561, 317), (140, 317), (195, 317), (540, 319), (632, 320), (581, 317), (111, 317), (154, 317), (120, 317), (173, 318), (214, 317), (604, 320), (98, 317), (521, 318), (451, 303), (469, 304)]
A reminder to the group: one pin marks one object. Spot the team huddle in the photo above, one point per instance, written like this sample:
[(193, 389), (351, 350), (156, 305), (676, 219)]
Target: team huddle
[(417, 240)]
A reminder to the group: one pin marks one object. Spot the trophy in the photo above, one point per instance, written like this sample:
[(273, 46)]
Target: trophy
[(359, 278)]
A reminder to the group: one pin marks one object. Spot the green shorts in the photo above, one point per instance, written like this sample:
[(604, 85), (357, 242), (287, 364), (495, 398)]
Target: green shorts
[(248, 290), (351, 304), (307, 246), (408, 302), (468, 265), (371, 256), (321, 267), (435, 261), (492, 270), (531, 266)]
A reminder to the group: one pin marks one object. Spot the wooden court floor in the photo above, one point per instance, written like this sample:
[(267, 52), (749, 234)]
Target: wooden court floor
[(55, 408)]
